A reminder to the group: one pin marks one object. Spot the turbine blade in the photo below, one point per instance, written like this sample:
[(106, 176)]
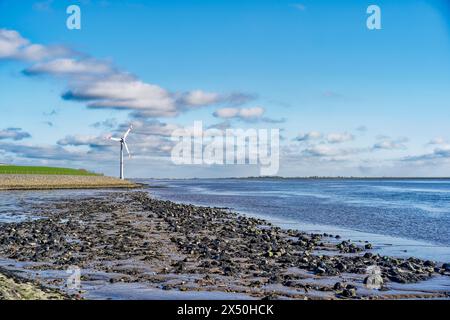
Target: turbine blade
[(128, 132), (126, 147), (114, 139)]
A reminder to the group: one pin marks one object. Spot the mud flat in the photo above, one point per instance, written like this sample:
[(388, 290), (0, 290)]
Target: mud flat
[(42, 182), (130, 245)]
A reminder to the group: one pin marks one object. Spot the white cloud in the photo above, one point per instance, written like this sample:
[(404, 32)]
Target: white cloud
[(69, 66), (249, 113), (150, 127), (14, 134), (200, 98), (312, 135), (14, 46), (107, 123), (323, 150), (226, 113), (83, 140), (438, 141), (124, 92), (29, 151), (339, 137), (387, 143), (11, 42), (440, 153), (240, 113), (101, 85)]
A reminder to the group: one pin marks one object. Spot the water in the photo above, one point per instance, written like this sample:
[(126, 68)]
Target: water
[(401, 217), (18, 205)]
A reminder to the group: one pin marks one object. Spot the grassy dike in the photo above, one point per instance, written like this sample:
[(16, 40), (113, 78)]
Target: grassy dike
[(44, 178), (10, 169)]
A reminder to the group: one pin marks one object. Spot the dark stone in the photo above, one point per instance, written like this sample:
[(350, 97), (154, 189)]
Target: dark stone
[(349, 292), (338, 286)]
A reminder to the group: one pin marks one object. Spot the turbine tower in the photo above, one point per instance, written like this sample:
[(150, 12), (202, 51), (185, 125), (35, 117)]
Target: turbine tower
[(123, 143)]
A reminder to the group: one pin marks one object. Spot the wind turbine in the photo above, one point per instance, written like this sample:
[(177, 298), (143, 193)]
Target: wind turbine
[(123, 142)]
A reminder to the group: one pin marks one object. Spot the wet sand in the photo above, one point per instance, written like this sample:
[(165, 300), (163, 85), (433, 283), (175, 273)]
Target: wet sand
[(44, 182), (129, 245)]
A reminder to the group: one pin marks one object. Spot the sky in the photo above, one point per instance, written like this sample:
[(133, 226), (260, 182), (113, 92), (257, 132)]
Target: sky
[(347, 100)]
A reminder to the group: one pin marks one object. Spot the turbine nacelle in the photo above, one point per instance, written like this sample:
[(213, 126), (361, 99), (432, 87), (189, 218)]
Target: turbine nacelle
[(123, 143), (123, 139)]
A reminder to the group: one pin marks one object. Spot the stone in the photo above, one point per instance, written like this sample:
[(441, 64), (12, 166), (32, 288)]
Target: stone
[(349, 292), (338, 286)]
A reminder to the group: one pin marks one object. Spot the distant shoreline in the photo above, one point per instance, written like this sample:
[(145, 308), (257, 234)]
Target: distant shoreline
[(304, 178), (346, 178)]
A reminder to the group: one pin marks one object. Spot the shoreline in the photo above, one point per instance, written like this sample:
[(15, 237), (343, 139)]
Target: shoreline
[(389, 245), (54, 182), (131, 238), (335, 208)]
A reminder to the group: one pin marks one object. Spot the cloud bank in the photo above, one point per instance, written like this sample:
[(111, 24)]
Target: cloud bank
[(99, 84), (14, 134)]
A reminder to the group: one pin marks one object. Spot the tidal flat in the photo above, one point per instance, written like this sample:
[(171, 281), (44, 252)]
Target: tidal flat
[(129, 245)]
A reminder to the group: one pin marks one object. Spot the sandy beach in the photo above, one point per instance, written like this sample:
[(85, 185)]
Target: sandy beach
[(130, 245), (43, 182)]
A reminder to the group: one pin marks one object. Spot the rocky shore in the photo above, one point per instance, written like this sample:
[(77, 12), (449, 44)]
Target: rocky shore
[(13, 287), (130, 238), (41, 182)]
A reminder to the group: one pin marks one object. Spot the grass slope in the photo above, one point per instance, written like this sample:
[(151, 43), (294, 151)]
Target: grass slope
[(8, 169)]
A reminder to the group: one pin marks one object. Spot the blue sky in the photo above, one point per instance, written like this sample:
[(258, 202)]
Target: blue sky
[(376, 101)]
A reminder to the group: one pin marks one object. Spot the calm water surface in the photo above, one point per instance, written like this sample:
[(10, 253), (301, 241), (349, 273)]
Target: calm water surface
[(402, 217)]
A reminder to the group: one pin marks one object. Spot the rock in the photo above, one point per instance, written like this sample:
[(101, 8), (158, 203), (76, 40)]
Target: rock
[(429, 263), (338, 286), (320, 270), (408, 266), (341, 267), (349, 292), (368, 255), (271, 296), (368, 246), (446, 267)]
